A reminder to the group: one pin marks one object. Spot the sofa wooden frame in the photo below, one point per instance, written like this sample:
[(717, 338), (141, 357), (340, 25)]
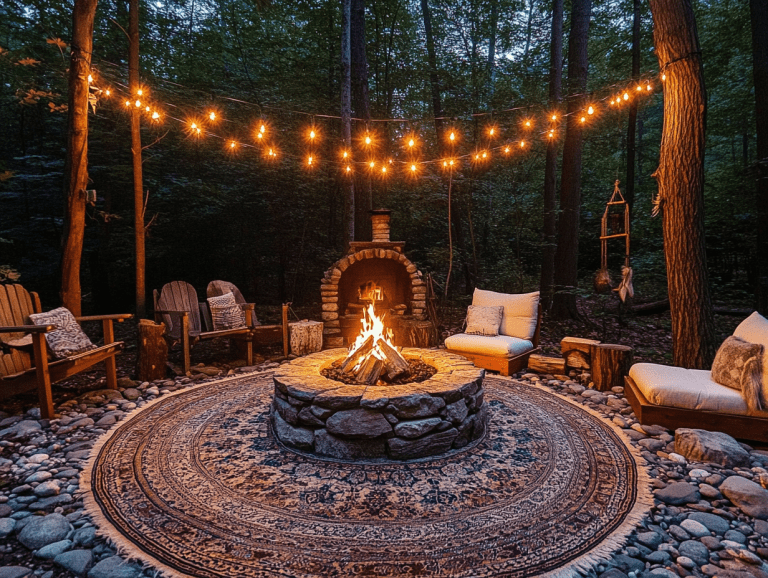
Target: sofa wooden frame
[(739, 426)]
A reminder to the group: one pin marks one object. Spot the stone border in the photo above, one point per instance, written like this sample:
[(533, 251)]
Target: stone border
[(321, 416), (329, 289)]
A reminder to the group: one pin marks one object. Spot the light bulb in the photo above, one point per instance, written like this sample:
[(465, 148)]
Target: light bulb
[(590, 110), (411, 143), (147, 109), (259, 135), (348, 168), (108, 92), (583, 119), (452, 136), (491, 132), (413, 168), (127, 103), (639, 88), (372, 164), (345, 154), (367, 140), (262, 128), (506, 150), (309, 161), (212, 115), (648, 87), (383, 169), (450, 162), (554, 117), (140, 92), (626, 96), (194, 125), (522, 144), (232, 145), (485, 154), (311, 134), (155, 115), (138, 104), (90, 79), (663, 77), (528, 123)]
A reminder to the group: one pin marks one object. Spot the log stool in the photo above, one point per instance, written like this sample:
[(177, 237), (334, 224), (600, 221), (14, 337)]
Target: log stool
[(306, 337), (153, 351), (610, 363)]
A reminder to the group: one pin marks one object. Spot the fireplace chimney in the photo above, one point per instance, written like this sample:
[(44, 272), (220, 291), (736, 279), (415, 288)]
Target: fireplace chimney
[(380, 225)]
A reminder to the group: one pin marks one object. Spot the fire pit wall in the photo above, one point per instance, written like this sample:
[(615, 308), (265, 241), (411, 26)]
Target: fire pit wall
[(317, 415), (383, 264)]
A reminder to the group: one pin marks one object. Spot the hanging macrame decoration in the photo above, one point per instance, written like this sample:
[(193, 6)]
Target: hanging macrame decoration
[(615, 225)]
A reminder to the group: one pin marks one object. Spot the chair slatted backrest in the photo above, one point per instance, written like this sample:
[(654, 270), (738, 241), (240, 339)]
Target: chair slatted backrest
[(16, 304), (219, 288), (180, 296)]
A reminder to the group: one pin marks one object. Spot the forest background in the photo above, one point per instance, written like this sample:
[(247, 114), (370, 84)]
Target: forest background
[(272, 226)]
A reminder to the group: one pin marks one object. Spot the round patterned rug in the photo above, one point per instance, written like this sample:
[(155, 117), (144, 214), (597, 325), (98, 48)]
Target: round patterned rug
[(195, 484)]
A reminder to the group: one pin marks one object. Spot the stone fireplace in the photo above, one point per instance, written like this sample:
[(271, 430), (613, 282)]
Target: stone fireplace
[(376, 272)]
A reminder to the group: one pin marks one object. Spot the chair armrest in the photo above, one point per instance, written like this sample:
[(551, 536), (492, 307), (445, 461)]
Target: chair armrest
[(171, 312), (119, 317), (28, 329)]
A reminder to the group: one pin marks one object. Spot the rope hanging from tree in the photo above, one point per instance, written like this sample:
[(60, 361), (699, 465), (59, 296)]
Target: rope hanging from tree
[(615, 225)]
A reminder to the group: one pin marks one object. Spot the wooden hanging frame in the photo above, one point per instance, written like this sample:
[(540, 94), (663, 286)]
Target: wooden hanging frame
[(616, 201)]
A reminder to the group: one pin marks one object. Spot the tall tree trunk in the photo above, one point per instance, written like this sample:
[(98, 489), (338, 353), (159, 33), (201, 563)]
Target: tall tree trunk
[(138, 178), (567, 253), (346, 119), (680, 178), (629, 191), (759, 17), (492, 51), (550, 167), (434, 80), (76, 169), (361, 105)]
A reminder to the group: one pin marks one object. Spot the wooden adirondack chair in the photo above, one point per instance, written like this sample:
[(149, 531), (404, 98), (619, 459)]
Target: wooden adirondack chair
[(177, 306), (260, 334), (21, 371)]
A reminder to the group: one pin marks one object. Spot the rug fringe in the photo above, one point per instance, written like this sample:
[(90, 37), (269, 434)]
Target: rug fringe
[(644, 501), (104, 528)]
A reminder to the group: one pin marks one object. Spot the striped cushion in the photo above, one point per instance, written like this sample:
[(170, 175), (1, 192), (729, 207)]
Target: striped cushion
[(225, 312), (68, 339)]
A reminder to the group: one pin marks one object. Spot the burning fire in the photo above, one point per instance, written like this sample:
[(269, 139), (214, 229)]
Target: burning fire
[(373, 326)]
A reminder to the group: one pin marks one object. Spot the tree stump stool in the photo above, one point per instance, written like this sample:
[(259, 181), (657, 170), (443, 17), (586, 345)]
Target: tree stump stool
[(575, 350), (306, 337), (153, 351), (609, 364)]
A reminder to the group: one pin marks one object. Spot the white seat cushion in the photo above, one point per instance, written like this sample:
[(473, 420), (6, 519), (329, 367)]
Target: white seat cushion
[(521, 311), (498, 346), (687, 389)]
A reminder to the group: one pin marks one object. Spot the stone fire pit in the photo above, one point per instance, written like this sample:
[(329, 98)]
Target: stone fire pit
[(314, 414)]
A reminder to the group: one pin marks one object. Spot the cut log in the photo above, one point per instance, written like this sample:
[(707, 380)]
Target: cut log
[(153, 351), (352, 360), (306, 337), (369, 371), (413, 333), (575, 351), (394, 363), (610, 363), (544, 364)]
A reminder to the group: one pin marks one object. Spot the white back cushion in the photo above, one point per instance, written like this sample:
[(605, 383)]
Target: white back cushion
[(755, 330), (521, 311)]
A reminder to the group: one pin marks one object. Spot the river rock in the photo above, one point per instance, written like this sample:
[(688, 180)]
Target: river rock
[(456, 412), (21, 429), (358, 423), (750, 497), (46, 489), (114, 567), (76, 561), (706, 446), (694, 528), (694, 550), (15, 571), (7, 526), (44, 530), (712, 522), (678, 493), (52, 550)]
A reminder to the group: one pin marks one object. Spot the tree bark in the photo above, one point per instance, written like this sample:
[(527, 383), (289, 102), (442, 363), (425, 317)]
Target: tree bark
[(759, 18), (434, 80), (346, 118), (680, 179), (361, 105), (550, 167), (76, 169), (567, 253), (138, 179), (629, 190)]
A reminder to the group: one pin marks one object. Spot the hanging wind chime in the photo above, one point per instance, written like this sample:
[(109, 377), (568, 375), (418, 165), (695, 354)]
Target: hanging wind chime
[(615, 225)]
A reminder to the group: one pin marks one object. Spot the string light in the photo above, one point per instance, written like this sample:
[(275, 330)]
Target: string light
[(554, 117), (138, 104), (639, 88), (345, 154), (108, 92), (372, 164), (348, 169), (492, 131), (140, 92), (413, 168), (368, 139), (147, 109), (384, 170), (155, 116), (506, 149), (583, 119), (312, 134), (309, 160), (551, 134), (663, 77), (90, 79), (212, 115), (127, 103), (527, 124), (452, 136), (590, 110), (232, 145), (626, 96), (648, 87), (522, 144), (411, 142)]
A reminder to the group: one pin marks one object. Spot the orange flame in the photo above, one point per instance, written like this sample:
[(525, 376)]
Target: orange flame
[(373, 325)]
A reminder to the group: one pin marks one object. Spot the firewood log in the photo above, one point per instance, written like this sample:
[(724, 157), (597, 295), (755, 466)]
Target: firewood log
[(394, 362), (370, 371), (352, 360)]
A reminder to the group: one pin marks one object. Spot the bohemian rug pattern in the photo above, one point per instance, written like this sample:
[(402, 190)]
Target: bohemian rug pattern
[(196, 484)]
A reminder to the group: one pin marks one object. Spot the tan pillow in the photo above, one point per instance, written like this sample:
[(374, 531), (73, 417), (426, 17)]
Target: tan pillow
[(483, 320), (738, 365), (521, 311)]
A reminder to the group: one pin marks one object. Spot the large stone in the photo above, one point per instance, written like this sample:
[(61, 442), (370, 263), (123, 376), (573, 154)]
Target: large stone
[(678, 493), (76, 561), (481, 422), (21, 429), (51, 503), (456, 412), (114, 567), (358, 423), (15, 572), (7, 526), (345, 449), (44, 530), (750, 497), (298, 437), (287, 411), (53, 550), (650, 539), (345, 397), (436, 443), (694, 550), (712, 522), (416, 405), (416, 428), (694, 528), (308, 418), (706, 446)]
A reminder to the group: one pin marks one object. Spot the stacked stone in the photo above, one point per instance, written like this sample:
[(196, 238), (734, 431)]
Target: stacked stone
[(399, 422), (329, 290)]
